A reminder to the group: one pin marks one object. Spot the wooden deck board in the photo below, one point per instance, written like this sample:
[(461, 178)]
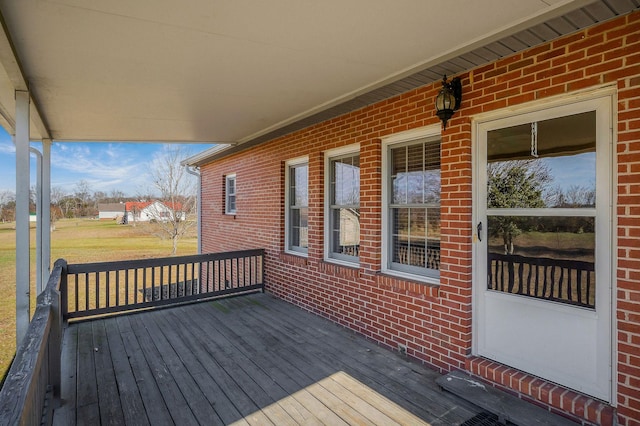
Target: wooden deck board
[(250, 360), (108, 391), (155, 408), (129, 393)]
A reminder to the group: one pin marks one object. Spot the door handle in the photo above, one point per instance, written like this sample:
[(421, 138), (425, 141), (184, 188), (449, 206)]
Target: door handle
[(479, 231)]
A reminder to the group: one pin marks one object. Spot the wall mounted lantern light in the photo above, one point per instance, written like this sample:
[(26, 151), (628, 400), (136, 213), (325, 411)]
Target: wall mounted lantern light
[(448, 100)]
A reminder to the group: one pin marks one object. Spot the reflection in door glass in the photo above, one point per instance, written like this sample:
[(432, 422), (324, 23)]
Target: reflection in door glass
[(548, 258), (546, 164)]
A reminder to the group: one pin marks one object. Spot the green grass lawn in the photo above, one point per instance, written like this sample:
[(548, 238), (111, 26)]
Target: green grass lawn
[(77, 241)]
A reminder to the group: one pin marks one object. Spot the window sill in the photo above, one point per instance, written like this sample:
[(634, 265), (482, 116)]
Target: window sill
[(418, 279), (344, 263), (417, 288)]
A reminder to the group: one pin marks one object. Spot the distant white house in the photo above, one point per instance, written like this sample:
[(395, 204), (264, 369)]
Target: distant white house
[(110, 211), (144, 211)]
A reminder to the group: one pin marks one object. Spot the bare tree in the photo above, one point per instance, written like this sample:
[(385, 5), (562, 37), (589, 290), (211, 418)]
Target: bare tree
[(82, 191), (177, 191), (57, 195), (6, 198), (116, 196)]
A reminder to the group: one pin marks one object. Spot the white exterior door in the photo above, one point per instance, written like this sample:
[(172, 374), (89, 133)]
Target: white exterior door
[(543, 250)]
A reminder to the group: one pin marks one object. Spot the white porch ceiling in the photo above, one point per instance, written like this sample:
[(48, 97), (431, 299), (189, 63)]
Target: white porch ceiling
[(229, 71)]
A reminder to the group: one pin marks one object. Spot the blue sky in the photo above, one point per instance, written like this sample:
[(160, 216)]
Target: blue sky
[(106, 166)]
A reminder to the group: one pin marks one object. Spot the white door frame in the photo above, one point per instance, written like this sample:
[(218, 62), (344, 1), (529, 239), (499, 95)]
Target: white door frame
[(605, 94)]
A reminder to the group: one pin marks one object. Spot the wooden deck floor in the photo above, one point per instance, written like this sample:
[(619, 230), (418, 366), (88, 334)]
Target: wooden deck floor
[(246, 360)]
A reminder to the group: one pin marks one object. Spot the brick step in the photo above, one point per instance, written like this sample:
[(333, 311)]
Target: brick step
[(507, 407)]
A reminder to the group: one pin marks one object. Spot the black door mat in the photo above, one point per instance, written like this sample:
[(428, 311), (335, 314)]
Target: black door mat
[(483, 419)]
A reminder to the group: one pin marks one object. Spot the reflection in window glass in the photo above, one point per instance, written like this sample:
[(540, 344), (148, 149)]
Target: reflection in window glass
[(298, 207), (415, 207), (344, 217), (549, 164), (550, 258)]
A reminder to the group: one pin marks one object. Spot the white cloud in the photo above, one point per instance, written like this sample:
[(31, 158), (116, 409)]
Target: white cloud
[(103, 167), (7, 148)]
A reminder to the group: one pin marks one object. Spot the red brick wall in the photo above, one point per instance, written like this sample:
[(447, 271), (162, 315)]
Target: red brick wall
[(434, 323)]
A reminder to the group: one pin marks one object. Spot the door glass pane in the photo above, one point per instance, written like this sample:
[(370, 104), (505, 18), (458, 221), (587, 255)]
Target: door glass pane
[(550, 258), (549, 164)]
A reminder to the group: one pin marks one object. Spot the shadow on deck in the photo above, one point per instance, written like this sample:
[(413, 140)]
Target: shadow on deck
[(252, 359)]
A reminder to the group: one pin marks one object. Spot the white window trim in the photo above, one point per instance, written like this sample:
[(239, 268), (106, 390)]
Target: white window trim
[(287, 165), (387, 142), (328, 156), (227, 178)]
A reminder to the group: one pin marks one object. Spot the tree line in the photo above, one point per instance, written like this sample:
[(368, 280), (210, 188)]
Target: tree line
[(81, 202)]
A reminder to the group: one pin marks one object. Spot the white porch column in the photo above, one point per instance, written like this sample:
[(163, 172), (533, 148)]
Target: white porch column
[(46, 210), (22, 215), (192, 170)]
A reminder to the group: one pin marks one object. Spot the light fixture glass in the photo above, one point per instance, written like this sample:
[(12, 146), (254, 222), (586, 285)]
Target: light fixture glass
[(448, 99)]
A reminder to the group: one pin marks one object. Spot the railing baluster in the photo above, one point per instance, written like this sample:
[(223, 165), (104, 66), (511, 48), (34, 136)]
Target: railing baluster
[(126, 287), (244, 271), (234, 274), (579, 285), (167, 280), (86, 294), (153, 283), (76, 284), (144, 285), (135, 285), (97, 275), (107, 292), (220, 270), (117, 287)]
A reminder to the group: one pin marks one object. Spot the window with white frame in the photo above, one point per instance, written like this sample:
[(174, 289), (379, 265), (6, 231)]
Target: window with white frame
[(412, 211), (342, 216), (230, 194), (297, 206)]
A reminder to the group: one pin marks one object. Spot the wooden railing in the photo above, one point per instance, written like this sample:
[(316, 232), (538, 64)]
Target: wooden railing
[(32, 384), (567, 281), (106, 288)]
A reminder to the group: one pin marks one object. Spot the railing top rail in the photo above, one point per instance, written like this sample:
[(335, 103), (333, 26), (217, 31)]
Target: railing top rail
[(147, 263)]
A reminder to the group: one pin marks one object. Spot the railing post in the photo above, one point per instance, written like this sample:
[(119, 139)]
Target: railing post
[(58, 309), (64, 291), (262, 261), (55, 344)]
